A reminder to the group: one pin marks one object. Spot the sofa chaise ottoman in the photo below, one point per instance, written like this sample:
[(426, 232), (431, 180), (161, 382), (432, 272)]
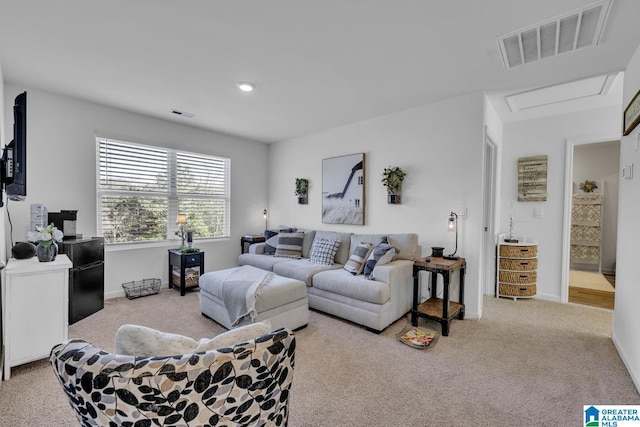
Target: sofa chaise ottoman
[(281, 300), (374, 301)]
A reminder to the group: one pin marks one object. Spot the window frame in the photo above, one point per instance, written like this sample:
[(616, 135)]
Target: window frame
[(172, 195)]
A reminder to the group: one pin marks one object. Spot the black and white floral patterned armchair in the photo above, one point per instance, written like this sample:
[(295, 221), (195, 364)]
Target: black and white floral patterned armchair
[(244, 385)]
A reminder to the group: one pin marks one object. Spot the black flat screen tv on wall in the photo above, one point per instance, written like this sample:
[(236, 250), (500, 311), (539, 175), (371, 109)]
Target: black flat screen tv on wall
[(13, 164)]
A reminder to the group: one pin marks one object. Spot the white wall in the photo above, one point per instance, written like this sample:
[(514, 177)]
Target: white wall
[(599, 162), (61, 174), (626, 317), (492, 121), (547, 136), (438, 145)]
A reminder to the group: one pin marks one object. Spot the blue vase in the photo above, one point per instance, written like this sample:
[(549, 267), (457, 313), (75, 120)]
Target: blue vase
[(46, 252)]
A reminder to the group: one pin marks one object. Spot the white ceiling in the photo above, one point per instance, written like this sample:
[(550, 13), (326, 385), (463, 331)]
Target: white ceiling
[(316, 64)]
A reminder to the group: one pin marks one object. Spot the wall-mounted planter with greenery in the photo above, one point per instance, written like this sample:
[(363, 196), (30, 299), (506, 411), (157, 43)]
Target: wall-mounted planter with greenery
[(392, 178), (302, 190)]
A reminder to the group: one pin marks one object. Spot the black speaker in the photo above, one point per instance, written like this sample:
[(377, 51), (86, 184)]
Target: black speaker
[(23, 250)]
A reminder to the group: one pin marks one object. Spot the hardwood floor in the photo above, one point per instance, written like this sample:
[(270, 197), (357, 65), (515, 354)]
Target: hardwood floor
[(592, 297), (611, 278), (592, 289)]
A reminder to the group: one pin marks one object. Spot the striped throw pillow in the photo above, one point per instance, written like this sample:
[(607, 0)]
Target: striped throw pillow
[(355, 265), (289, 245)]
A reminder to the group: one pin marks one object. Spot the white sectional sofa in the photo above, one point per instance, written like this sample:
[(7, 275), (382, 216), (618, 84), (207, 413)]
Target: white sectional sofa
[(372, 302)]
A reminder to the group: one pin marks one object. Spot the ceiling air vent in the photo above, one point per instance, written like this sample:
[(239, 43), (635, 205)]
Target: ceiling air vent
[(566, 33)]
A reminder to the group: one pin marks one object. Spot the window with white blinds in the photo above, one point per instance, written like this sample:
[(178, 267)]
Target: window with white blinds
[(141, 189)]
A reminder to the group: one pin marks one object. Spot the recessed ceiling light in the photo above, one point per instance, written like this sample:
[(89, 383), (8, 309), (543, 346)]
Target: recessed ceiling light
[(246, 86)]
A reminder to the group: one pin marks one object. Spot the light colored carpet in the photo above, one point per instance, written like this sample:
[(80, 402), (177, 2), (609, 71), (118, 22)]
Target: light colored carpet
[(589, 280), (525, 363)]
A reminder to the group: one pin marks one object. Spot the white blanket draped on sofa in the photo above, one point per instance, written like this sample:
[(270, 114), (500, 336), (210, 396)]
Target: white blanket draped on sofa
[(239, 290)]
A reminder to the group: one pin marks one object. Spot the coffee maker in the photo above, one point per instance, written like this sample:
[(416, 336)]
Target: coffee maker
[(65, 221)]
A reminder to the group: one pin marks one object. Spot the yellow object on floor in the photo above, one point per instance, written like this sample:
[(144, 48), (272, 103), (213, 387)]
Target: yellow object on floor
[(590, 288)]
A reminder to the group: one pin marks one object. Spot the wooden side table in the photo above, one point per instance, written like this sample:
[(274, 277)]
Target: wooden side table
[(248, 240), (182, 261), (440, 309)]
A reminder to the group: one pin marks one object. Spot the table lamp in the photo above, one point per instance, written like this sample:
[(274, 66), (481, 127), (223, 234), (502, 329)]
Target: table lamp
[(452, 226), (181, 220)]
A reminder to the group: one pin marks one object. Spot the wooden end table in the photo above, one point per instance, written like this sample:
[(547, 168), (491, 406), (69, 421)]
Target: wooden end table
[(440, 309), (248, 240), (182, 261)]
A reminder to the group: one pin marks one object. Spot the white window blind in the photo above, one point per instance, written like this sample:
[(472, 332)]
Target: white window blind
[(141, 189)]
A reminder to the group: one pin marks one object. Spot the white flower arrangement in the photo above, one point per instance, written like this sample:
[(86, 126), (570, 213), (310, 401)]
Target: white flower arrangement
[(45, 235)]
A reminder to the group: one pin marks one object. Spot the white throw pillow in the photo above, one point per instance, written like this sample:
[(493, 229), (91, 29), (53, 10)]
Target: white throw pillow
[(135, 340), (323, 251), (234, 336)]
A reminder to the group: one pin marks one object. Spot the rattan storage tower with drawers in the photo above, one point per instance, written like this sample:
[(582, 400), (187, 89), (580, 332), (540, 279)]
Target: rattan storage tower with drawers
[(517, 268)]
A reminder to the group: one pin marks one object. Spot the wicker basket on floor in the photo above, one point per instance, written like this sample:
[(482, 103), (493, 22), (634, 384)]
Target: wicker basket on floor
[(141, 288)]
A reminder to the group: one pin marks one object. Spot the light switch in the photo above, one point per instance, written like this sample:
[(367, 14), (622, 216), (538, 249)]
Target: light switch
[(460, 211), (538, 212)]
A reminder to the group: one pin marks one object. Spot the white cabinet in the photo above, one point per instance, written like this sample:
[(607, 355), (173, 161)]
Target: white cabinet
[(517, 268), (35, 309)]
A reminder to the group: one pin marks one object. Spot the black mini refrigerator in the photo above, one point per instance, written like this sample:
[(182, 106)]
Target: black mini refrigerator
[(86, 277)]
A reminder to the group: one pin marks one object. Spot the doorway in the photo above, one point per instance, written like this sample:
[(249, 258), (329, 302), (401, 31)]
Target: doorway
[(489, 214), (591, 205)]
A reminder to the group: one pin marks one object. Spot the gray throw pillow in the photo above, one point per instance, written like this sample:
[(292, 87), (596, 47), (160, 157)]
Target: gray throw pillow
[(270, 242), (382, 254)]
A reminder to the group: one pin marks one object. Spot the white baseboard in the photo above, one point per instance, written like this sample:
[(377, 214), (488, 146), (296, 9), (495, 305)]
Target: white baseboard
[(119, 294), (625, 360), (547, 297)]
